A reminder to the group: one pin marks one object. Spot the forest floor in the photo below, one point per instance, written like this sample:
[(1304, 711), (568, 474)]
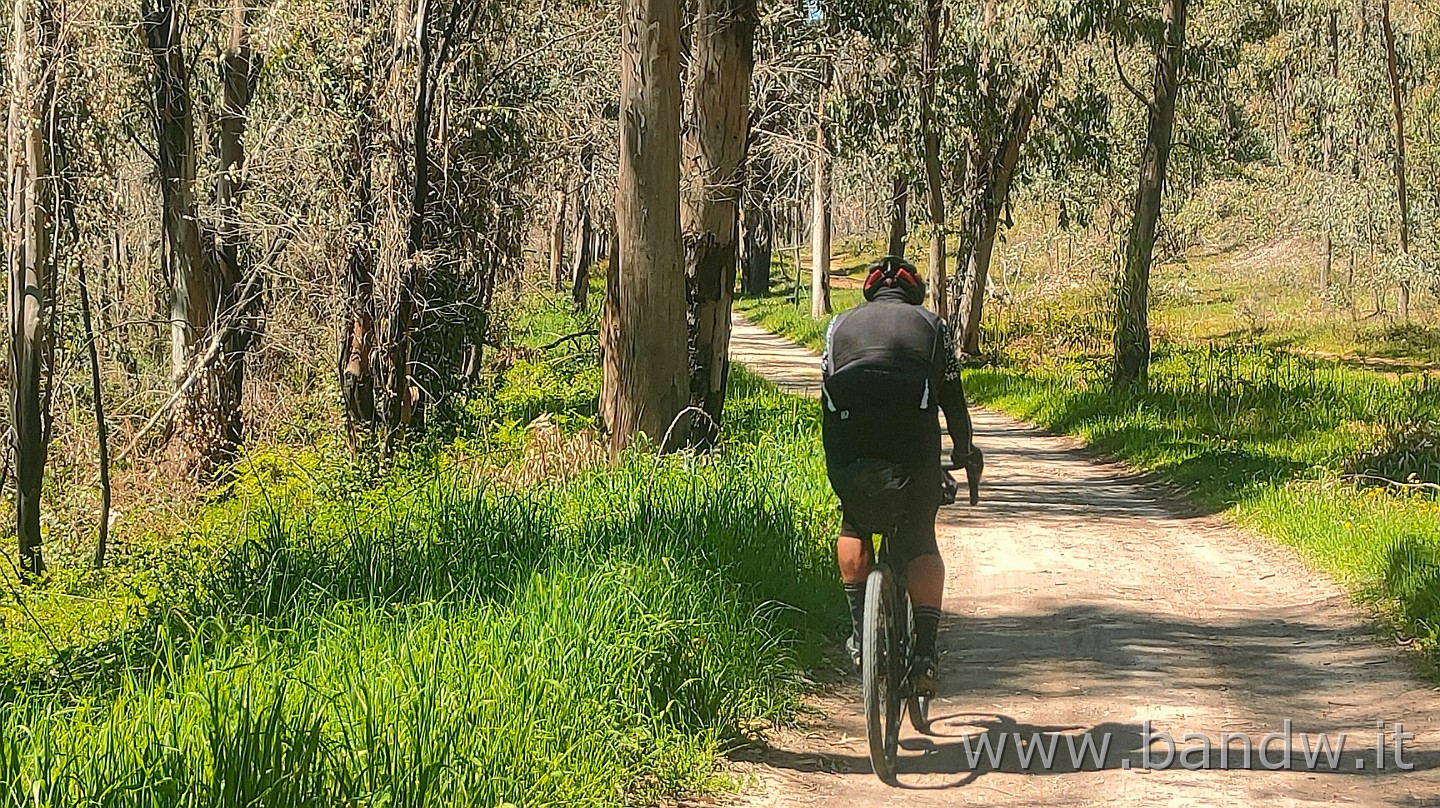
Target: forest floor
[(1083, 601)]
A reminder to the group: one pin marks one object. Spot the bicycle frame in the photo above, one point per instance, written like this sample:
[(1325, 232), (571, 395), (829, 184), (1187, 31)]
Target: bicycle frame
[(886, 656)]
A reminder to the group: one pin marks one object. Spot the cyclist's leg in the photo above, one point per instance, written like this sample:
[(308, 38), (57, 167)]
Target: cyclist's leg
[(924, 577), (853, 557)]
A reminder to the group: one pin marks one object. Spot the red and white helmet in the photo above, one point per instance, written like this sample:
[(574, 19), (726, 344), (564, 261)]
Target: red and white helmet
[(893, 272)]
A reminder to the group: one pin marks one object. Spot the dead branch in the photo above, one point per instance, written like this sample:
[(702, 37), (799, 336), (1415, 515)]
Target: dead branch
[(1415, 486), (249, 295), (569, 338), (1125, 80)]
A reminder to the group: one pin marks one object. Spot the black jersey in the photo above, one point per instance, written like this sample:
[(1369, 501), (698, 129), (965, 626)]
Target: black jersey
[(885, 362), (887, 355)]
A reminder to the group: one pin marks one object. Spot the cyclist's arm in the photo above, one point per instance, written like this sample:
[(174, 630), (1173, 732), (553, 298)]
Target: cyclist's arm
[(825, 357), (952, 398)]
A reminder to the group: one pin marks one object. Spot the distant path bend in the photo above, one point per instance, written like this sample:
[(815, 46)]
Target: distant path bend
[(1081, 603)]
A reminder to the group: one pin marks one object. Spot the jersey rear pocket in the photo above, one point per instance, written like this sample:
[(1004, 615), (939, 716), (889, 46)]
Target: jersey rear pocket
[(871, 391)]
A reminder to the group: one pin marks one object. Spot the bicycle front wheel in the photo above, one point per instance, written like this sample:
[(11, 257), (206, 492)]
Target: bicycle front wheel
[(880, 661)]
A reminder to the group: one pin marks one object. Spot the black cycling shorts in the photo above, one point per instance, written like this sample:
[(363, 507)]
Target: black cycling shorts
[(907, 438), (915, 537)]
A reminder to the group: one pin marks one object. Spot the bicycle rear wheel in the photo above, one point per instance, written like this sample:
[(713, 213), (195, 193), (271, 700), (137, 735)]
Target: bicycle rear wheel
[(880, 661)]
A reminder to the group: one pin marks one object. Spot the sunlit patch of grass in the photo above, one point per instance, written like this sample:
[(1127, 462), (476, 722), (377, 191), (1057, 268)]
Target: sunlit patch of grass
[(778, 314), (1402, 341)]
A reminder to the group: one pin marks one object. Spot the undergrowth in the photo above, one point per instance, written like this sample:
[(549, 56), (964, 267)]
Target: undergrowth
[(435, 638)]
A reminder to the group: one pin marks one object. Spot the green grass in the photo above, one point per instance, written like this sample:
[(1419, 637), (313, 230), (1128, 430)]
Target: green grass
[(779, 315), (434, 641)]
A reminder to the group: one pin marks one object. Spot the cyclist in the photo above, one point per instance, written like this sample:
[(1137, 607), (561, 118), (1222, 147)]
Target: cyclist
[(889, 368)]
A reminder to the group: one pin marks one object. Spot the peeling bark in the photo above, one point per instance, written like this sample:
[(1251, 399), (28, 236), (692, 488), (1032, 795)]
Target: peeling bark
[(643, 333), (714, 155)]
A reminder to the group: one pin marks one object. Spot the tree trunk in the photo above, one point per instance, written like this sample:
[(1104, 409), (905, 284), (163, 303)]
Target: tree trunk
[(357, 380), (714, 155), (758, 225), (30, 254), (643, 333), (1327, 247), (204, 275), (983, 223), (584, 258), (404, 262), (182, 252), (820, 218), (759, 231), (557, 241), (899, 214), (934, 177), (202, 418), (584, 236), (1402, 305), (1132, 331), (239, 68)]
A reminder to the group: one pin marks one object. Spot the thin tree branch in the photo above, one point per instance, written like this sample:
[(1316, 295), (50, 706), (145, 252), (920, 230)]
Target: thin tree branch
[(1417, 486), (249, 294), (568, 338), (1125, 80)]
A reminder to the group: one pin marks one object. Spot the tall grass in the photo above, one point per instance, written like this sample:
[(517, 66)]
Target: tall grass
[(434, 642)]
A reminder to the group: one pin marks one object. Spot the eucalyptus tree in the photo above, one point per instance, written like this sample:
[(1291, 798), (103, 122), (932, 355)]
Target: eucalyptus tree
[(215, 297), (1011, 54), (1402, 197), (791, 52), (1132, 330), (930, 151), (31, 257), (643, 331), (585, 235), (824, 169), (715, 136), (437, 169), (881, 110)]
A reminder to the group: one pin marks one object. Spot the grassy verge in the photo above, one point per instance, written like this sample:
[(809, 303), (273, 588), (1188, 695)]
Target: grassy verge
[(792, 320), (444, 637)]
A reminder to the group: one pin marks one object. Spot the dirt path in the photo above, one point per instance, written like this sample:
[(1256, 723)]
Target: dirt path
[(1081, 603)]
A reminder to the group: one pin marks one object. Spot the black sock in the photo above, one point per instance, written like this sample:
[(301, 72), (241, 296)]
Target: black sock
[(855, 595), (927, 624)]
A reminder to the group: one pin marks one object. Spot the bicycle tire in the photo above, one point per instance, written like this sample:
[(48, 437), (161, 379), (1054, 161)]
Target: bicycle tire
[(916, 707), (919, 711), (879, 662)]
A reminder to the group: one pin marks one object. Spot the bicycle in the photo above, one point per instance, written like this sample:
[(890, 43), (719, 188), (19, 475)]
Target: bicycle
[(886, 652)]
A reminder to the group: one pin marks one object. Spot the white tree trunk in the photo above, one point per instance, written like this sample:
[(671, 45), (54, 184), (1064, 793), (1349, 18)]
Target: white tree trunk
[(820, 220), (30, 257)]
